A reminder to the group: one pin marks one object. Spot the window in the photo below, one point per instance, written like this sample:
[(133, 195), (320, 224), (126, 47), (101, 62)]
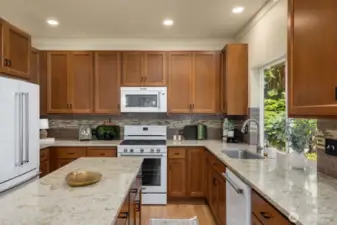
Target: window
[(277, 127)]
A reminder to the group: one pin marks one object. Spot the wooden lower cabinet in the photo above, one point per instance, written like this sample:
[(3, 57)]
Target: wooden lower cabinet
[(221, 213), (130, 213), (101, 152), (176, 178), (265, 212), (255, 220), (44, 162), (186, 172), (196, 172)]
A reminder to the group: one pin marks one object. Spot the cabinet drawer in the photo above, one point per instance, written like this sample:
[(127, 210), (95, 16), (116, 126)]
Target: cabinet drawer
[(265, 212), (177, 153), (44, 155), (102, 152), (217, 165), (70, 153)]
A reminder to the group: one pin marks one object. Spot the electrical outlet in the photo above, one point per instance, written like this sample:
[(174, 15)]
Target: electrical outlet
[(331, 147)]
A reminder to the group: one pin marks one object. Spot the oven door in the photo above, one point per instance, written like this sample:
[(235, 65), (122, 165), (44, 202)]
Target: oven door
[(134, 99), (154, 170)]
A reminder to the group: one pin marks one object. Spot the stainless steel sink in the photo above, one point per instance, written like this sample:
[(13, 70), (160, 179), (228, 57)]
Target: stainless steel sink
[(241, 154)]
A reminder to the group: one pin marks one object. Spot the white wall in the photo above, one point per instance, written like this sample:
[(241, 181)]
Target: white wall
[(266, 36)]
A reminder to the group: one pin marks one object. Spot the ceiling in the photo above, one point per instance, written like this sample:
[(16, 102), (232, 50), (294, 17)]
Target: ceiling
[(129, 18)]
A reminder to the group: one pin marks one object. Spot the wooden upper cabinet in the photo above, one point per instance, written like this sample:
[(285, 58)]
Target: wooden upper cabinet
[(107, 82), (57, 82), (80, 90), (43, 82), (15, 50), (155, 69), (312, 87), (34, 66), (133, 68), (234, 79), (196, 178), (144, 69), (180, 82), (204, 82)]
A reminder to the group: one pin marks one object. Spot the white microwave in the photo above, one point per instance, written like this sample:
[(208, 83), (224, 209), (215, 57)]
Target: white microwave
[(144, 99)]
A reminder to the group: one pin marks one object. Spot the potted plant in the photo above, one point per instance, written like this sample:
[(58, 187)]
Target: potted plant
[(300, 135), (275, 131), (230, 127)]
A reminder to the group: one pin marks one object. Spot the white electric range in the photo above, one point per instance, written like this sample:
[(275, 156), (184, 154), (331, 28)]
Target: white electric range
[(148, 142)]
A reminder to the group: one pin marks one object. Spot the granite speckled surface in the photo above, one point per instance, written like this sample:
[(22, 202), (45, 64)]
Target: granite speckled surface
[(50, 201), (305, 194)]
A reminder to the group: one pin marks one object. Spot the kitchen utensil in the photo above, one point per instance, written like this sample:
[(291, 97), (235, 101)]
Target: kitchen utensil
[(82, 178)]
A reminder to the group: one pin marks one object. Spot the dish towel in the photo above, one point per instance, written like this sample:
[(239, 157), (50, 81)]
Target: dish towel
[(192, 221)]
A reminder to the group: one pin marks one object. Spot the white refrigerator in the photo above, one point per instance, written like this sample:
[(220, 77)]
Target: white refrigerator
[(19, 132)]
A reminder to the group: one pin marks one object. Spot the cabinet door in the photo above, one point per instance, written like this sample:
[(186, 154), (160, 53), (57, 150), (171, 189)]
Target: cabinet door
[(176, 178), (312, 87), (235, 82), (62, 162), (214, 191), (196, 172), (44, 168), (221, 214), (2, 39), (204, 98), (155, 69), (17, 49), (34, 66), (43, 82), (81, 82), (133, 68), (107, 82), (57, 82), (180, 78), (255, 221)]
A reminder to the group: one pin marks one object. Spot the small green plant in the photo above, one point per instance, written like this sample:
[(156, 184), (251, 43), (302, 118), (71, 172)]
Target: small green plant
[(300, 134), (275, 131)]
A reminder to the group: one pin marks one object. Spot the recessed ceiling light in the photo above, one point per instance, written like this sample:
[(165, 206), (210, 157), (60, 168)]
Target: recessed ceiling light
[(53, 22), (238, 9), (168, 22)]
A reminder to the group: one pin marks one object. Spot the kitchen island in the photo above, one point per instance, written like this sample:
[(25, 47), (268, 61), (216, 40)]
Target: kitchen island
[(51, 201)]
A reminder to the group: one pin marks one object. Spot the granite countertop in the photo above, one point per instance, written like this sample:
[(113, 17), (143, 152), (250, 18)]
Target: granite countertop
[(51, 201), (306, 194)]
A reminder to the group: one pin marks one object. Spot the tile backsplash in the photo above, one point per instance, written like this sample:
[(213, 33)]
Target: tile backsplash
[(327, 164), (66, 126)]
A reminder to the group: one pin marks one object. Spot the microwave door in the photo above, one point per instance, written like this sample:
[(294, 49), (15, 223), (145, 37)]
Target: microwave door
[(140, 102)]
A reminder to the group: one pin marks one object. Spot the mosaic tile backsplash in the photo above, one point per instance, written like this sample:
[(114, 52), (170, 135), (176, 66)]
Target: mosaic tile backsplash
[(66, 126), (327, 164)]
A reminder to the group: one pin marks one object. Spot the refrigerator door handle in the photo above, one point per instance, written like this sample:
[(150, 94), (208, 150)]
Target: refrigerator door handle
[(26, 136), (21, 128), (17, 128)]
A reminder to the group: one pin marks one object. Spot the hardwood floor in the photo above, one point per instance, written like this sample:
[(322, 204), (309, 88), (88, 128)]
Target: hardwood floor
[(175, 211)]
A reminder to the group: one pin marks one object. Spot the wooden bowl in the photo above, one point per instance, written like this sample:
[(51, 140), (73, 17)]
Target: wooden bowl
[(82, 178)]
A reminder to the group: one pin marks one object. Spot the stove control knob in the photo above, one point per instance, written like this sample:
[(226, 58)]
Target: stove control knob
[(152, 150), (141, 150), (131, 150), (158, 149), (125, 150)]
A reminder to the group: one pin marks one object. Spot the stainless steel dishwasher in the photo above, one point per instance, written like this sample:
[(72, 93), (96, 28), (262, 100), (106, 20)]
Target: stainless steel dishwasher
[(238, 200)]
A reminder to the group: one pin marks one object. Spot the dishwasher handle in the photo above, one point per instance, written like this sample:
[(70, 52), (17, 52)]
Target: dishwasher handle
[(236, 188)]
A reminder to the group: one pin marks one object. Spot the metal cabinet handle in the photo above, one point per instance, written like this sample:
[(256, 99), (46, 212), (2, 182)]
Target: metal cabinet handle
[(6, 62), (123, 215), (144, 79), (192, 106), (266, 215), (236, 188), (21, 128), (10, 63)]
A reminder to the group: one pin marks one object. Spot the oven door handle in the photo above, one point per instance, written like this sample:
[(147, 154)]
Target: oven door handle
[(142, 155)]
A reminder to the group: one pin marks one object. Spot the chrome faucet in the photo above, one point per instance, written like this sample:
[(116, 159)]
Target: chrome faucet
[(259, 147)]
